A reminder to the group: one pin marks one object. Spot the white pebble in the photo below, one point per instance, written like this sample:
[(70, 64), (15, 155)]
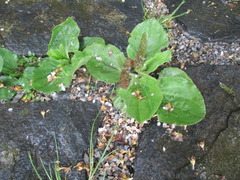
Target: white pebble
[(10, 109), (164, 149)]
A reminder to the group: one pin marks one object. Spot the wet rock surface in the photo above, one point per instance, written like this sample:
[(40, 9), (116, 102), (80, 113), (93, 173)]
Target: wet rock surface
[(160, 157), (24, 129), (26, 25), (216, 20)]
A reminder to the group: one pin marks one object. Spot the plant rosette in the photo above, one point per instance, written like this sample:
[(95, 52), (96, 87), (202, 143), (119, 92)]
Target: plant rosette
[(173, 97)]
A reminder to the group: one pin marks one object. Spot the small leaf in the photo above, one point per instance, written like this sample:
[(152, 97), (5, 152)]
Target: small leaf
[(142, 98), (106, 62), (156, 39), (9, 61), (141, 52), (182, 102), (64, 39), (159, 59), (87, 41), (6, 93), (227, 89)]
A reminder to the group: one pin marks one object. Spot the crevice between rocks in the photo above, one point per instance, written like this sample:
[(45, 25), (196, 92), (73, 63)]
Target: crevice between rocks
[(227, 124), (218, 134)]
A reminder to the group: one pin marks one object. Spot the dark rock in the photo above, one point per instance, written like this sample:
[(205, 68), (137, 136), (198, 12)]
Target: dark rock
[(152, 162), (26, 25), (23, 129), (223, 159), (209, 20)]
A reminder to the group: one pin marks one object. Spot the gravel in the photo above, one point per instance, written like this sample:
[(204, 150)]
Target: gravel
[(190, 50), (186, 50)]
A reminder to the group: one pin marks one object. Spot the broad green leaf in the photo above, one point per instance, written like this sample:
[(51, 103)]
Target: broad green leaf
[(9, 61), (142, 98), (173, 72), (79, 59), (106, 62), (65, 39), (1, 63), (159, 59), (156, 39), (6, 93), (119, 103), (59, 54), (87, 41), (46, 76), (54, 75), (182, 102)]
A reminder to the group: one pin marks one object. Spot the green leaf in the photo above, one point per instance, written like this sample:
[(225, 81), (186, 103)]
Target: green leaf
[(60, 54), (173, 72), (9, 61), (87, 41), (6, 93), (64, 39), (159, 59), (119, 102), (1, 63), (46, 76), (26, 80), (55, 75), (79, 59), (182, 102), (106, 62), (8, 81), (156, 39), (142, 98)]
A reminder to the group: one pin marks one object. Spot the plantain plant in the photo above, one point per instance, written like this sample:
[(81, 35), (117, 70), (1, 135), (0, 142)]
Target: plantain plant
[(173, 96)]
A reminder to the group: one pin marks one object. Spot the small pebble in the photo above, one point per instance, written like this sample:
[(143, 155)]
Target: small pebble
[(10, 109)]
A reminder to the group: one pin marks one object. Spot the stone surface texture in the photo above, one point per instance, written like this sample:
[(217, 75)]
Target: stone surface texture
[(23, 129), (224, 159), (26, 25), (217, 20), (159, 157)]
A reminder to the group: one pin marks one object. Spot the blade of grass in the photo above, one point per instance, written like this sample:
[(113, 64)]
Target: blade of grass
[(103, 156), (164, 19), (104, 175), (91, 158), (33, 166), (56, 172), (45, 170), (50, 171), (93, 170)]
